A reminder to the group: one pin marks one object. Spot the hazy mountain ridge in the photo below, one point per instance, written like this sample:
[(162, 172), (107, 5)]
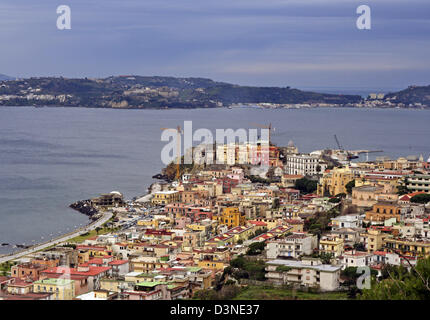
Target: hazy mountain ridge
[(162, 92), (4, 77), (411, 95)]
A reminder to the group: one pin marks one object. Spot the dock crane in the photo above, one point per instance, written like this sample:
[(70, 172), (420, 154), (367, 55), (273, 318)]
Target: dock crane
[(349, 155), (178, 149)]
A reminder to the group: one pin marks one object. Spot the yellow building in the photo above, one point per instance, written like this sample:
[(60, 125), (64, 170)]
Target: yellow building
[(111, 285), (151, 223), (334, 181), (215, 259), (216, 265), (332, 245), (61, 289), (409, 248), (231, 217), (147, 264), (375, 239), (165, 197)]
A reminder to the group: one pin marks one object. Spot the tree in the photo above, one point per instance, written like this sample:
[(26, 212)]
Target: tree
[(334, 200), (399, 283), (326, 257), (239, 262), (359, 246), (421, 198), (306, 185), (257, 233), (256, 248), (276, 203), (402, 188), (349, 186)]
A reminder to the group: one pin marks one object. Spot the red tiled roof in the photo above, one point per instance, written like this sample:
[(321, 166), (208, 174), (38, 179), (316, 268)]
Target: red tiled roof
[(118, 262), (258, 223), (93, 271)]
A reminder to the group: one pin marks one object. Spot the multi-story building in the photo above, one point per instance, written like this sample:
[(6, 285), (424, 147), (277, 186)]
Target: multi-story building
[(347, 221), (334, 181), (409, 247), (306, 273), (418, 182), (332, 245), (165, 197), (292, 246), (61, 289), (109, 200), (27, 271), (303, 164), (356, 259), (383, 211), (231, 217), (375, 239)]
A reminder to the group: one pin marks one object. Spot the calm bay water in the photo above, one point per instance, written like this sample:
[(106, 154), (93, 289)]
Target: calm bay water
[(51, 157)]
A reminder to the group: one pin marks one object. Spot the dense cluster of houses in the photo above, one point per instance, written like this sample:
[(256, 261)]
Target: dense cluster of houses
[(177, 240)]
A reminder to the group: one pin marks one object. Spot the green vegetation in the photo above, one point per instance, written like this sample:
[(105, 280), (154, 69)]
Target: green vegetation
[(276, 203), (421, 198), (337, 198), (400, 284), (306, 185), (257, 233), (285, 293), (257, 179), (402, 188), (5, 268), (92, 233), (349, 186), (255, 248), (283, 268), (350, 277), (325, 257), (320, 222), (227, 292), (244, 268)]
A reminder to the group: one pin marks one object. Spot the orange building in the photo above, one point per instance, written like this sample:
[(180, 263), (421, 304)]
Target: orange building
[(231, 217), (27, 271), (382, 211)]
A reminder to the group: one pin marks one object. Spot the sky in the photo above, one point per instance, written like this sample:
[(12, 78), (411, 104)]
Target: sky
[(305, 44)]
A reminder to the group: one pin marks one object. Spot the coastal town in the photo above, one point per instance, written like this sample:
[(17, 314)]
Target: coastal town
[(298, 228)]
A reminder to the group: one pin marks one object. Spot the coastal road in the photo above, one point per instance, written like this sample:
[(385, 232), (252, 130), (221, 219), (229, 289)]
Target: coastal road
[(106, 216)]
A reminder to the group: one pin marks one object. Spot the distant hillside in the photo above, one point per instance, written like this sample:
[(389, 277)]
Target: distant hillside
[(153, 92), (4, 77), (413, 95)]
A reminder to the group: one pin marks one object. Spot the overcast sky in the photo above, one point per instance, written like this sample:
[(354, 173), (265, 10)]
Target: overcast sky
[(298, 43)]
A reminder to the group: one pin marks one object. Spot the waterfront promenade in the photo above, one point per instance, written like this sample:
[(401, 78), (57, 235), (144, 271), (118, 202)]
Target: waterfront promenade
[(106, 216)]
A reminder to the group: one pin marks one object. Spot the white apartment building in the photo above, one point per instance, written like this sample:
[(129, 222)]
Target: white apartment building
[(307, 273), (346, 221), (303, 164), (292, 246), (356, 259)]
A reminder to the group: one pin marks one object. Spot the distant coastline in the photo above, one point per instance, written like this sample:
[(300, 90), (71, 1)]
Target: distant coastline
[(137, 92)]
